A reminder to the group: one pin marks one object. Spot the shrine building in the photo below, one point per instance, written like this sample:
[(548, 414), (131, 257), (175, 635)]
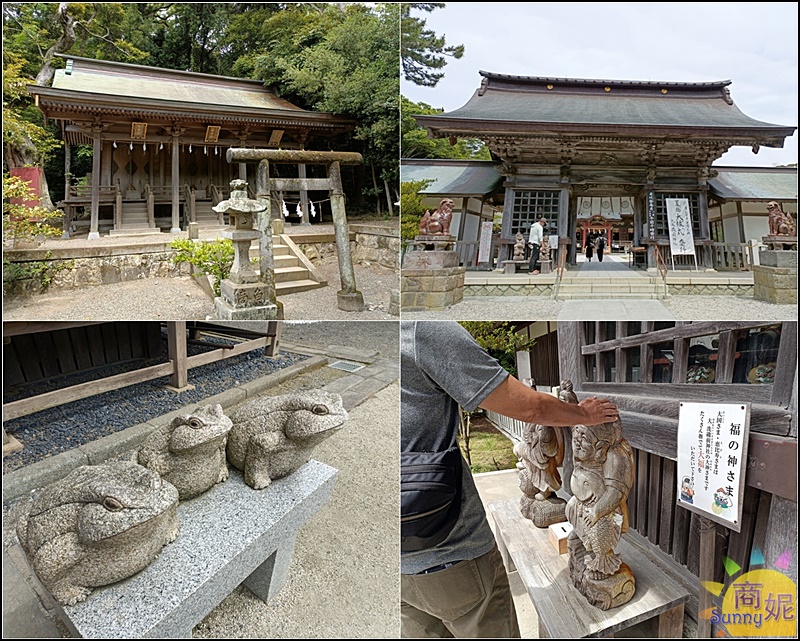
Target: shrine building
[(159, 139), (602, 156)]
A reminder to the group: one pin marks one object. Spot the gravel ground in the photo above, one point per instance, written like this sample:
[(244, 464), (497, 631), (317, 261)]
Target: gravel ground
[(79, 422), (184, 299), (727, 308)]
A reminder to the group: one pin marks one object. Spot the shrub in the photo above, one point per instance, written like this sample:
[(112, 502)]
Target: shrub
[(214, 258)]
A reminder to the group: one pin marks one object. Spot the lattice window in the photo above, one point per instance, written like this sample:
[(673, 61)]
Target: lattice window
[(529, 206), (661, 213)]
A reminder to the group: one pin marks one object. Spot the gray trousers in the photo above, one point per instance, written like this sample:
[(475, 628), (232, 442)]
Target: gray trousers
[(471, 599)]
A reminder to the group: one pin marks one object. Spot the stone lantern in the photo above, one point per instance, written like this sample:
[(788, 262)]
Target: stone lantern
[(245, 294)]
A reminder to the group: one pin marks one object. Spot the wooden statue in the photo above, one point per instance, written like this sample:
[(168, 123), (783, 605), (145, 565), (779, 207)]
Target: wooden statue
[(438, 222), (541, 452), (602, 477), (519, 247), (780, 222)]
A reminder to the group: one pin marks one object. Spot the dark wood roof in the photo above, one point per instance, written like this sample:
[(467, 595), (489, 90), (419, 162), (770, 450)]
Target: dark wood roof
[(87, 87), (532, 104)]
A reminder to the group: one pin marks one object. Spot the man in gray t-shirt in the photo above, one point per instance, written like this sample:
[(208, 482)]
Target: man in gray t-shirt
[(459, 587)]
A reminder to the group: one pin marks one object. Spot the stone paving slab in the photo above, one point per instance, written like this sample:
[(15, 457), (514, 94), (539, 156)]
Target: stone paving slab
[(614, 309)]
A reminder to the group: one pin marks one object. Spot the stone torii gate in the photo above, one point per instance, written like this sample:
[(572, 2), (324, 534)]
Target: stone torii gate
[(349, 298)]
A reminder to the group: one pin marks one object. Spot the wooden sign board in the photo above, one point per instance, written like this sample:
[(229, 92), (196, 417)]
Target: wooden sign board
[(712, 460), (485, 246)]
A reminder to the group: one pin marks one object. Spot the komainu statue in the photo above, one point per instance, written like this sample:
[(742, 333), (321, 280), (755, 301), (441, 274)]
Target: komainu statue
[(602, 477), (780, 222), (541, 452), (438, 222)]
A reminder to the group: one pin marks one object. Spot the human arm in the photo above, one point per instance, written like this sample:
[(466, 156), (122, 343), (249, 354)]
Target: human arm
[(515, 400)]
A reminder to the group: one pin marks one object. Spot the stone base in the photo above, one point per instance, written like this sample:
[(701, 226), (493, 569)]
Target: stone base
[(350, 302), (545, 266), (604, 593), (426, 289), (430, 259), (226, 311), (510, 266), (394, 302), (778, 258), (543, 513), (780, 243), (776, 285)]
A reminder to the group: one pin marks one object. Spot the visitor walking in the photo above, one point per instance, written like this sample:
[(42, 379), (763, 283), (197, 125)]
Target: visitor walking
[(601, 245), (588, 248), (535, 241), (457, 585)]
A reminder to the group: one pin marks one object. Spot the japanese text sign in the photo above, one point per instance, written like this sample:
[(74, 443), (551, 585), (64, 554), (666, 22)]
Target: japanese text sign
[(712, 459), (485, 246)]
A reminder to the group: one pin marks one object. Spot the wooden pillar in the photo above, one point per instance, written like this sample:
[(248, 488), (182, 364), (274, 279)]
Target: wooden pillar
[(563, 219), (67, 184), (176, 341), (301, 173), (740, 220), (94, 222), (176, 187), (106, 154)]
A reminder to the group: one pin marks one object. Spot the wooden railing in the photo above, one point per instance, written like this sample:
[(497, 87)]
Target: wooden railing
[(188, 197), (732, 256), (563, 250), (662, 268), (467, 253), (151, 207)]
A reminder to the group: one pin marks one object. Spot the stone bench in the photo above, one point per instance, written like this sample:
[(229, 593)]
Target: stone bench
[(510, 266), (230, 535), (658, 598)]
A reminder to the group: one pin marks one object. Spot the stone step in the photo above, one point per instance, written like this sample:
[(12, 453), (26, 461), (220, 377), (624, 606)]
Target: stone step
[(134, 231), (562, 295), (277, 250), (285, 274), (294, 286), (286, 261), (612, 289)]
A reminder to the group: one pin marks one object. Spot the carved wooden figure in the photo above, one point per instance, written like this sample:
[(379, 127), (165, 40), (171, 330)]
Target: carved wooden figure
[(601, 480)]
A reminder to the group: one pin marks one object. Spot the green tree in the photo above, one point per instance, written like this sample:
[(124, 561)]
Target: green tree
[(500, 340), (417, 144), (423, 53), (411, 207), (342, 59)]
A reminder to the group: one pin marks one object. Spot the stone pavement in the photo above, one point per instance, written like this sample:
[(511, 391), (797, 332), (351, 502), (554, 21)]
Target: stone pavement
[(614, 309), (28, 610)]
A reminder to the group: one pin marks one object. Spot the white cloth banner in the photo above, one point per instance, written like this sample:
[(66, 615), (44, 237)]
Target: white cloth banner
[(679, 221)]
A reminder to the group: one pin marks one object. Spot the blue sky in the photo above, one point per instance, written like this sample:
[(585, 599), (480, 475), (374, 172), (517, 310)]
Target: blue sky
[(752, 44)]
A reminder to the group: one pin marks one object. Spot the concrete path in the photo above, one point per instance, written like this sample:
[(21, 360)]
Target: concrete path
[(614, 309)]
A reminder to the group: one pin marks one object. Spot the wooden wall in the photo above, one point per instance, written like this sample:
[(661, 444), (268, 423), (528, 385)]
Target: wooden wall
[(43, 355)]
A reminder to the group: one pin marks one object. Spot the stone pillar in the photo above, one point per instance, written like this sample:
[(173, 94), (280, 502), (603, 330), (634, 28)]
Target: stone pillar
[(349, 298), (264, 224), (176, 187), (94, 223)]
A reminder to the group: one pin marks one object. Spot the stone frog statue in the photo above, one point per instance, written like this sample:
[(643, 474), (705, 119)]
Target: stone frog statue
[(96, 526), (190, 451), (273, 436)]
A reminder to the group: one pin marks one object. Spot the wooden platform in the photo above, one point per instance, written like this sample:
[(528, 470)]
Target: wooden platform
[(563, 611)]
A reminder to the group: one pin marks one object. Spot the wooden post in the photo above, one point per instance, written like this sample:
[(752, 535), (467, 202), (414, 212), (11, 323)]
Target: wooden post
[(176, 187), (94, 223), (301, 172), (176, 339), (708, 536)]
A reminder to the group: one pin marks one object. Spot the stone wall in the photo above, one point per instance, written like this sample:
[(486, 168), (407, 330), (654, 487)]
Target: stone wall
[(424, 289), (79, 268), (377, 244), (545, 290)]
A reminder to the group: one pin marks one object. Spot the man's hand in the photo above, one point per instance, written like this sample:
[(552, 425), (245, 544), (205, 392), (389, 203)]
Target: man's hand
[(598, 411)]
